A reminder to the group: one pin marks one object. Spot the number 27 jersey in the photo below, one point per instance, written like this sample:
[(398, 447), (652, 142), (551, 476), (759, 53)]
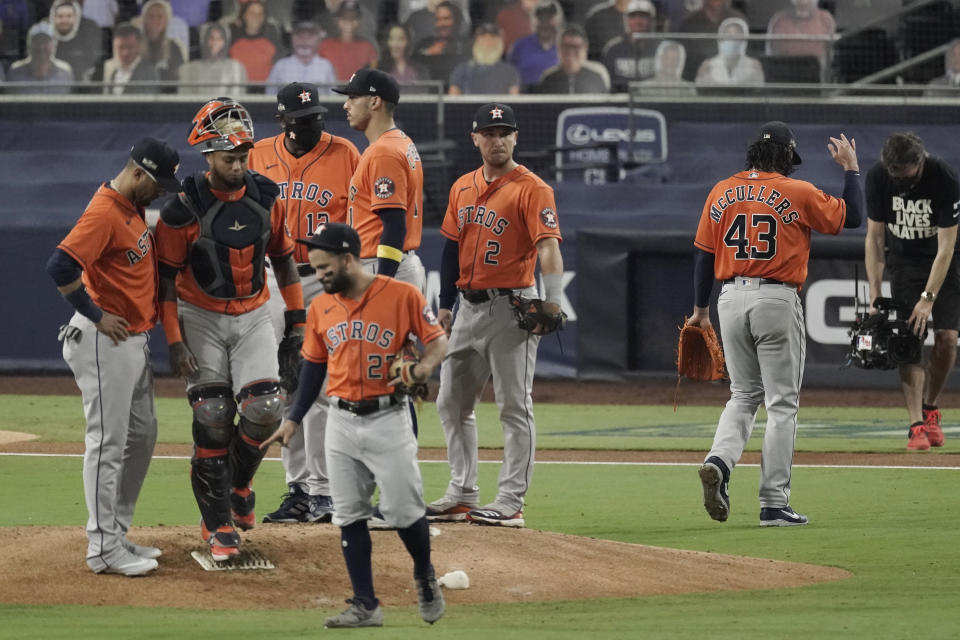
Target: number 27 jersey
[(758, 224)]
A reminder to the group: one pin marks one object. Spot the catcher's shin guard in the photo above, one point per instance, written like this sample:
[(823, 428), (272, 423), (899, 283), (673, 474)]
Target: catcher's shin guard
[(245, 453), (210, 479)]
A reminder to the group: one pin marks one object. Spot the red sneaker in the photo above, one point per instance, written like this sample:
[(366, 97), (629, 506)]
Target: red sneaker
[(931, 420), (918, 437), (224, 542)]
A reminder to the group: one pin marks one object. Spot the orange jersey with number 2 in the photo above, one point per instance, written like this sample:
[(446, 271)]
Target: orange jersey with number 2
[(498, 225), (359, 338), (758, 224)]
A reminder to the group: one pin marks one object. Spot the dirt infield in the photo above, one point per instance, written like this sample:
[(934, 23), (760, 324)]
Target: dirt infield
[(44, 564)]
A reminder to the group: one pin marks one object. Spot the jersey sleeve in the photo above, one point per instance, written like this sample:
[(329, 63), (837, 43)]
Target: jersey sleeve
[(822, 212), (450, 228), (706, 238), (281, 242), (541, 214), (314, 348), (388, 175), (89, 238), (172, 244)]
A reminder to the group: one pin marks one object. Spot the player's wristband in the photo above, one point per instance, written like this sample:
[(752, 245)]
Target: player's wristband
[(292, 319), (82, 302), (171, 321), (293, 297), (391, 253), (552, 287)]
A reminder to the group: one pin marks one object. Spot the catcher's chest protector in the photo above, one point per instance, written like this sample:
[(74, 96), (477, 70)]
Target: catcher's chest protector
[(227, 259)]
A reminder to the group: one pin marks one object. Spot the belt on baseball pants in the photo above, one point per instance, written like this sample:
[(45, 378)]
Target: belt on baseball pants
[(733, 280), (305, 270), (482, 295), (370, 405)]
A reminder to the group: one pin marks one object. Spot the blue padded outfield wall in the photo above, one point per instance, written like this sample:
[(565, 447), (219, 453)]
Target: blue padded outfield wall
[(627, 248)]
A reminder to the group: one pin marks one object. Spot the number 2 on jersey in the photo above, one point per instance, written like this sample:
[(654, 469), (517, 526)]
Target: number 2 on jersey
[(763, 226)]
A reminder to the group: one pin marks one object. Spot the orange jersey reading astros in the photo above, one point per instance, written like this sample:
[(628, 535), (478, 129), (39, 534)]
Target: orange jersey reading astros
[(758, 224), (114, 247), (389, 176), (498, 225), (314, 188), (359, 338), (175, 244)]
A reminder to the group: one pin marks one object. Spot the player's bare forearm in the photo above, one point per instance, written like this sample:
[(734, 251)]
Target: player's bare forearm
[(282, 435), (551, 260), (285, 270), (946, 239), (873, 258), (433, 354)]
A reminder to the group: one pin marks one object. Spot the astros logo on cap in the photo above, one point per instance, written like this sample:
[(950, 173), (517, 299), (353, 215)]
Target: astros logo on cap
[(496, 113), (304, 96)]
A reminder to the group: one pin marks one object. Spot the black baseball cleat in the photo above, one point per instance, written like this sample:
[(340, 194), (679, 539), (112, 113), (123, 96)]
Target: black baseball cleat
[(781, 517), (715, 476)]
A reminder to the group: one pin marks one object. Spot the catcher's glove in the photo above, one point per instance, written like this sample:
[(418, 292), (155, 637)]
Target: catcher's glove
[(402, 375), (531, 316), (699, 354), (288, 357)]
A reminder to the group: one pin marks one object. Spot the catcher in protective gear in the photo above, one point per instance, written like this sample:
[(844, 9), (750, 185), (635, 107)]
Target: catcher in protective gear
[(402, 372), (533, 316)]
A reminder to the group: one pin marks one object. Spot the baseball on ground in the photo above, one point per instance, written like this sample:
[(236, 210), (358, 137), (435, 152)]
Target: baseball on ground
[(455, 580)]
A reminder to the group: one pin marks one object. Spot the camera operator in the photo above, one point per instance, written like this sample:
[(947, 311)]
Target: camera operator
[(912, 208)]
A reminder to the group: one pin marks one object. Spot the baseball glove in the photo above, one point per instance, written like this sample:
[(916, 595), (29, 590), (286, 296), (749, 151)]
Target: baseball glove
[(288, 357), (699, 354), (401, 370), (531, 314)]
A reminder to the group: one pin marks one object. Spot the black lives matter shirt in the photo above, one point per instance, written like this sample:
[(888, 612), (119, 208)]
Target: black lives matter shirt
[(912, 216)]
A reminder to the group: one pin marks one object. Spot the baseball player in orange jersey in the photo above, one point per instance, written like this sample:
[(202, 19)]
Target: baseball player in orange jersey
[(353, 332), (754, 237), (500, 219), (313, 170), (386, 190), (106, 267), (212, 243)]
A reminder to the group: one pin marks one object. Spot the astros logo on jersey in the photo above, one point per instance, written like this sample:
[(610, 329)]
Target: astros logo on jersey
[(549, 218), (383, 187)]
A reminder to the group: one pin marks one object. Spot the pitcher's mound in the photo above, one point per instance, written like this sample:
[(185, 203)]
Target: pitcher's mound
[(45, 565)]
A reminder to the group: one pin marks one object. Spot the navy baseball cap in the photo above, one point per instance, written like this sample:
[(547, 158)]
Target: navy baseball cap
[(299, 99), (494, 114), (371, 82), (779, 132), (334, 237), (159, 160)]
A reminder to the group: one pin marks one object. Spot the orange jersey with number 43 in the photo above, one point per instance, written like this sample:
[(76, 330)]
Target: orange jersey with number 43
[(314, 188), (389, 176), (498, 225), (359, 338), (758, 224)]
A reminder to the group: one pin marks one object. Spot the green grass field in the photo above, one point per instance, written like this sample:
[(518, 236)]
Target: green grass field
[(891, 528)]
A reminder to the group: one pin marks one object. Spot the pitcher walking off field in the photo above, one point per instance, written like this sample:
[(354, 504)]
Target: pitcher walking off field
[(754, 237)]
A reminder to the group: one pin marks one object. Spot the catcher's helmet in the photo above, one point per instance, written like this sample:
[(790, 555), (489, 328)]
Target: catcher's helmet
[(223, 124)]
